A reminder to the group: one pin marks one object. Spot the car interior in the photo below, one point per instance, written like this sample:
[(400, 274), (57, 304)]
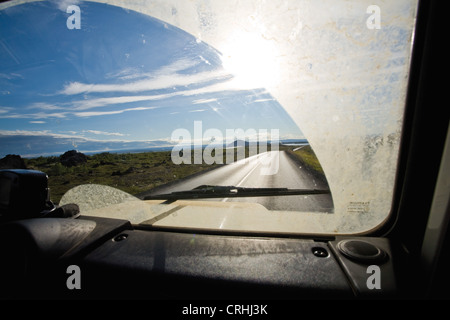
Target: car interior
[(63, 254)]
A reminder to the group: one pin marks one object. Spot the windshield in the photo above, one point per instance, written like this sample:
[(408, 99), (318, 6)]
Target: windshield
[(296, 106)]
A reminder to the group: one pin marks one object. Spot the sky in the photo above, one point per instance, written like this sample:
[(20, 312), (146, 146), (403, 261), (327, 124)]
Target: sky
[(122, 80)]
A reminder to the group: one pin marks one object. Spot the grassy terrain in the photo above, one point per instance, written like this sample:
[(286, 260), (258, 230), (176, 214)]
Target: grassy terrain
[(309, 159), (132, 172)]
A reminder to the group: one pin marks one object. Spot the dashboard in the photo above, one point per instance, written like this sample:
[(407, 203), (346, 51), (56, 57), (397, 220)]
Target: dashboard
[(114, 259)]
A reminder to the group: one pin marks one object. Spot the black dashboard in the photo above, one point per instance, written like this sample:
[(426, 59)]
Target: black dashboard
[(102, 258)]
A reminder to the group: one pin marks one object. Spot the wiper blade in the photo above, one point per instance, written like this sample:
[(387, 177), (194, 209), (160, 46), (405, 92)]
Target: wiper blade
[(208, 191)]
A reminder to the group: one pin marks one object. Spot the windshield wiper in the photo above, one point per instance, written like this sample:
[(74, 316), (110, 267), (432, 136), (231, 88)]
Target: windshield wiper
[(208, 191)]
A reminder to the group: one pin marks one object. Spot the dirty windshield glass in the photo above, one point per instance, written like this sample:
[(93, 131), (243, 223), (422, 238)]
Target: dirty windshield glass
[(295, 106)]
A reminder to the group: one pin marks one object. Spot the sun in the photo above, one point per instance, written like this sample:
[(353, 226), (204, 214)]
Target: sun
[(252, 60)]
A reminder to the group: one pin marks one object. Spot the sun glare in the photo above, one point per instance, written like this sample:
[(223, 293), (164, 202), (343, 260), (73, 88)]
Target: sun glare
[(252, 60)]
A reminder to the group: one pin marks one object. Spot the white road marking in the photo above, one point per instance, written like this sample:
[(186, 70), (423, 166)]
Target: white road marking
[(248, 174)]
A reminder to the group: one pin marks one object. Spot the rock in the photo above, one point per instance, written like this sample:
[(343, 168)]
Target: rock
[(72, 158), (12, 161), (130, 170), (116, 173)]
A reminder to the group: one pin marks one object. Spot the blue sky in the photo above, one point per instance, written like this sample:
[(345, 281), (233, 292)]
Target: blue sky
[(123, 80)]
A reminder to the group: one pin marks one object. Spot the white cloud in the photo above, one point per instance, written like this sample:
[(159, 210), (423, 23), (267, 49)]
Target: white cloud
[(75, 138), (10, 76), (176, 66), (166, 77), (47, 133), (127, 74), (263, 100), (135, 73), (37, 122), (228, 85), (100, 113), (39, 115), (86, 104), (5, 109), (43, 115), (34, 133), (166, 81), (104, 133), (101, 102), (204, 60), (43, 106), (200, 101), (63, 4)]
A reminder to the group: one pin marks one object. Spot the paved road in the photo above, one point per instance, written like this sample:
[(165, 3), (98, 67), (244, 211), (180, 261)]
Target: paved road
[(271, 169)]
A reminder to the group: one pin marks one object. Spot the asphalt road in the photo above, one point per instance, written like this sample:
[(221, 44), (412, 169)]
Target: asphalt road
[(263, 171)]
